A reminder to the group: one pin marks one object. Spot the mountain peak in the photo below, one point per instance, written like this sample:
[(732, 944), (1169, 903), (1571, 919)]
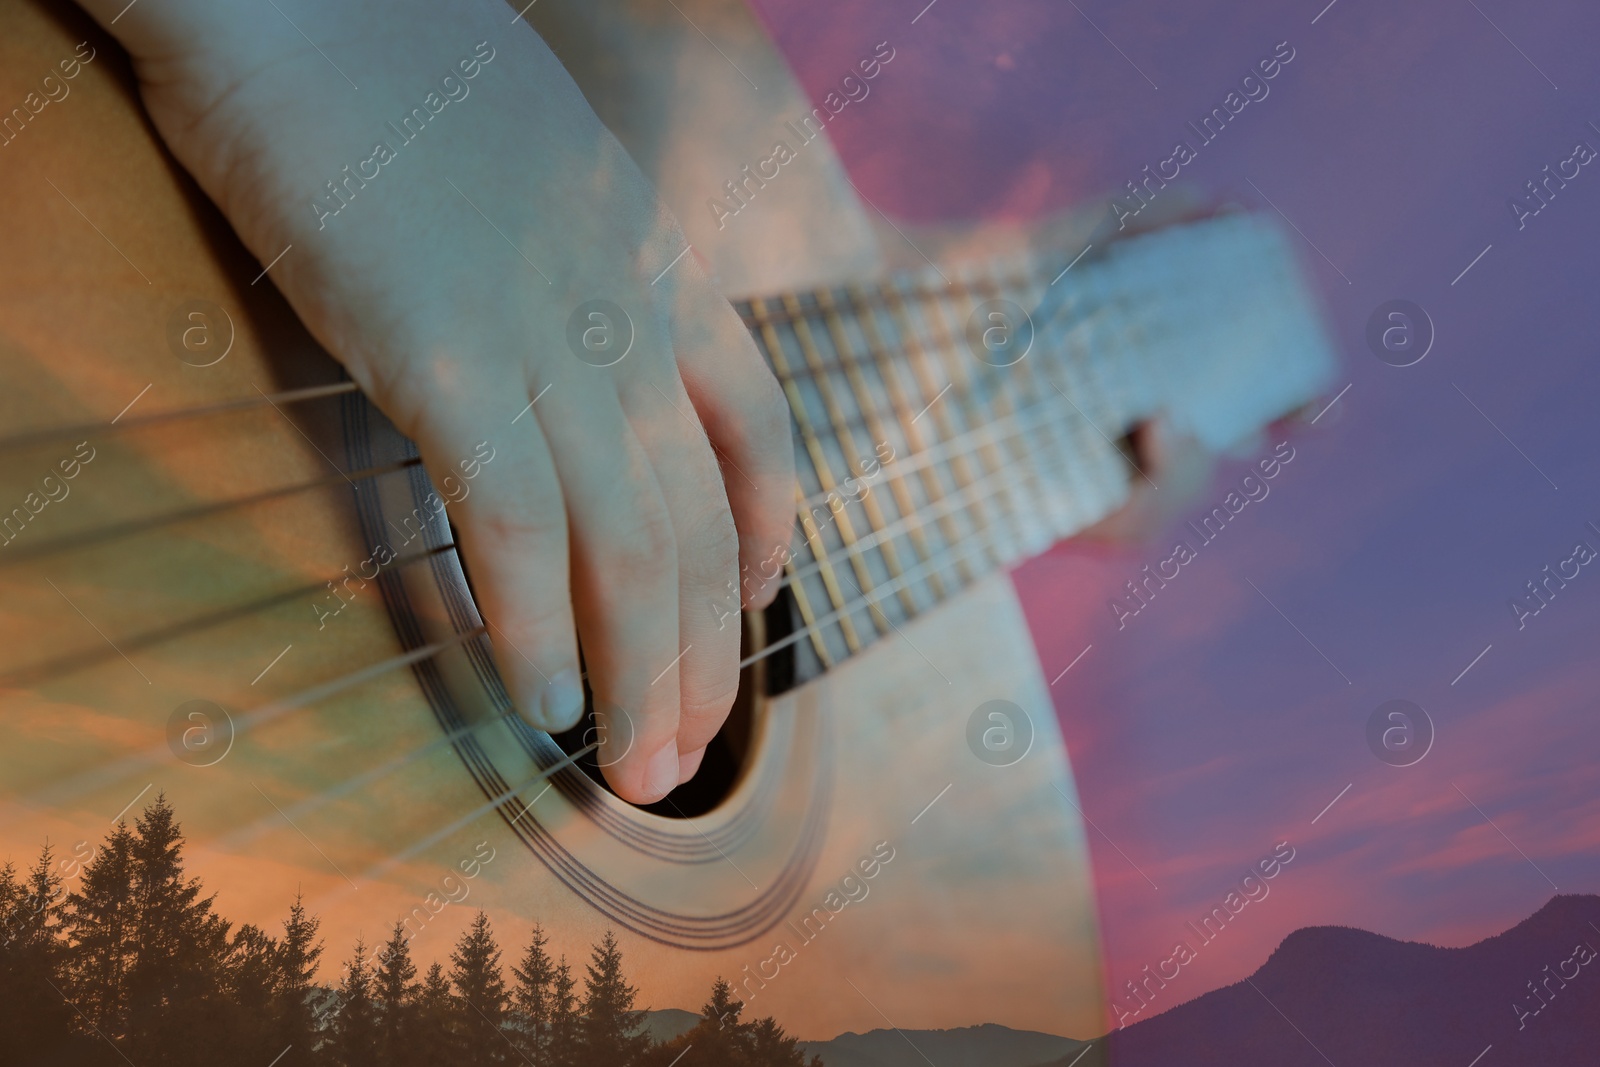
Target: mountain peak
[(984, 1045), (1345, 995)]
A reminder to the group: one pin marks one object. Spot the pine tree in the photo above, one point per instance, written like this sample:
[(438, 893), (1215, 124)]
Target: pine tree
[(179, 946), (480, 990), (10, 894), (722, 1039), (609, 1033), (719, 1033), (718, 1039), (252, 976), (297, 957), (565, 1023), (434, 1041), (767, 1045), (101, 927), (396, 990), (532, 996), (34, 1014), (355, 1028)]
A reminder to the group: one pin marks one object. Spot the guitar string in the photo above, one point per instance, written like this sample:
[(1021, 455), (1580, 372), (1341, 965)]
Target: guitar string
[(44, 671), (106, 774), (877, 293), (946, 560), (976, 389), (32, 438), (275, 709), (88, 538), (269, 712), (953, 504), (979, 541), (133, 527), (311, 804), (971, 390), (483, 809), (263, 715), (317, 801), (1017, 425), (1013, 429), (45, 435)]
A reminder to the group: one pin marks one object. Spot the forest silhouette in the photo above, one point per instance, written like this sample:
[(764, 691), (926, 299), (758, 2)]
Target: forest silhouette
[(130, 964)]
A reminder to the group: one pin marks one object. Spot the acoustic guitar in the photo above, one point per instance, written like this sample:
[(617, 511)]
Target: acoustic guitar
[(225, 577)]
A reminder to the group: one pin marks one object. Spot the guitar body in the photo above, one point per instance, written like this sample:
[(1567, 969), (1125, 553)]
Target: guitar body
[(890, 852)]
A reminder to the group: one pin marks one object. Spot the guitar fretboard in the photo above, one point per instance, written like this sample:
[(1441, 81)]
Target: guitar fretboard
[(936, 444), (952, 423)]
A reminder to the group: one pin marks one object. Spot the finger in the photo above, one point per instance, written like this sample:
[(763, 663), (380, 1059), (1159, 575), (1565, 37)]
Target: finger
[(497, 478), (746, 418), (624, 583), (707, 674), (689, 763), (1164, 457)]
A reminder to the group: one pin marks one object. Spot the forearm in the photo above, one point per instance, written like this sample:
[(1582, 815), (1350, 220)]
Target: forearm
[(265, 118)]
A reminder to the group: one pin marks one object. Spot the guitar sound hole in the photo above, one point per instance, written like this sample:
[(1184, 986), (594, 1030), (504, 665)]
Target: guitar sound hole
[(719, 771), (723, 765)]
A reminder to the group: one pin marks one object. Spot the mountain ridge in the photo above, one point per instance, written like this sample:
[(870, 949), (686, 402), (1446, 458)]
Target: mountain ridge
[(1326, 994), (1343, 995)]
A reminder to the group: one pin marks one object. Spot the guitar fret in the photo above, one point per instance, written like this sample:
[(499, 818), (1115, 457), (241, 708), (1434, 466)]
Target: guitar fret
[(908, 287), (1075, 444), (1068, 502), (1115, 410), (993, 463), (937, 453), (860, 392), (852, 462), (955, 555), (814, 535), (945, 342), (953, 504), (906, 416), (1103, 335), (917, 359), (756, 317), (1015, 449), (802, 604), (1105, 466), (899, 490)]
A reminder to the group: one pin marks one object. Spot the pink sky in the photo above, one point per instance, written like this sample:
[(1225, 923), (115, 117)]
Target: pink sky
[(1209, 729)]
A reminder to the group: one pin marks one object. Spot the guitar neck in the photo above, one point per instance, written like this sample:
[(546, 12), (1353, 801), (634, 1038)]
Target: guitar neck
[(952, 423)]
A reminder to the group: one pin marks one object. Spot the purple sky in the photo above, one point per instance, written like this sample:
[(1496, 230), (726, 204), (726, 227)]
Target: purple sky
[(1209, 729)]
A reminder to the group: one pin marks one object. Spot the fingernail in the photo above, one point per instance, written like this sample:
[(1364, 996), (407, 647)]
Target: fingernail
[(689, 763), (561, 703), (661, 773)]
